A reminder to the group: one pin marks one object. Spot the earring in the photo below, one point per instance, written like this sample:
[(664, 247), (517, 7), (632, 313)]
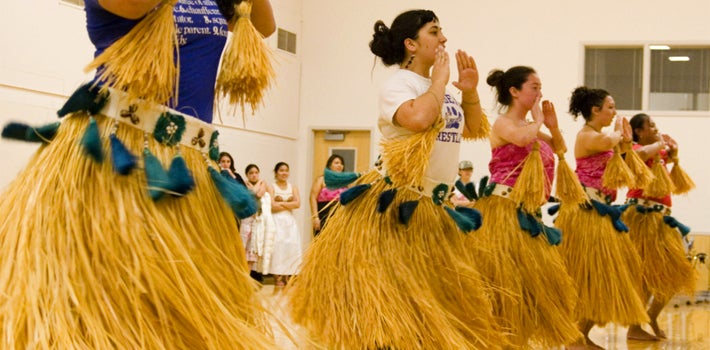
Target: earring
[(411, 58)]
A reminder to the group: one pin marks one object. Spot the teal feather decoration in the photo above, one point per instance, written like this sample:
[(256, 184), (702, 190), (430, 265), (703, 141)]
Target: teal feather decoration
[(24, 132), (385, 199), (15, 131), (336, 179), (465, 220), (674, 223), (553, 234), (239, 198), (122, 159), (181, 180), (528, 223), (482, 184), (472, 214), (351, 193), (91, 141), (406, 210), (86, 98), (158, 180), (214, 146)]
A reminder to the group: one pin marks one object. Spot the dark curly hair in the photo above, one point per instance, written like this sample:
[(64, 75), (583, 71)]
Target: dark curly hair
[(583, 99), (388, 43), (503, 81)]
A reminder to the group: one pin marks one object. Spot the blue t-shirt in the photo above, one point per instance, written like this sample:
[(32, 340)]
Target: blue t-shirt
[(202, 34)]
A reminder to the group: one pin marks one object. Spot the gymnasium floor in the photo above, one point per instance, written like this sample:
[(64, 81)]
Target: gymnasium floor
[(686, 322)]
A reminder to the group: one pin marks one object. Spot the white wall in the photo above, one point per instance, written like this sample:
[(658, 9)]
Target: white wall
[(338, 80)]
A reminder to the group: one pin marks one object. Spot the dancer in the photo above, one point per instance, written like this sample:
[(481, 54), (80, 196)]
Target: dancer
[(665, 269), (390, 269), (535, 297), (101, 252), (596, 248)]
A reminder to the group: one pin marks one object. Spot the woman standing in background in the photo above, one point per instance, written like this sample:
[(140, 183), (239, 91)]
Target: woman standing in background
[(287, 252), (322, 198)]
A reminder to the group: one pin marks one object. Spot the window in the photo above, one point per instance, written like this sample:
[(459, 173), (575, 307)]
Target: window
[(286, 41), (677, 77)]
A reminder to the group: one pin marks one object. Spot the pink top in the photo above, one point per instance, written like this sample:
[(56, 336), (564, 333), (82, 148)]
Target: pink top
[(327, 195), (507, 162), (590, 170), (638, 193)]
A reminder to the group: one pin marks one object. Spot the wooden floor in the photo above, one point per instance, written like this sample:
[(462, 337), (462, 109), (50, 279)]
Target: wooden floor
[(686, 322)]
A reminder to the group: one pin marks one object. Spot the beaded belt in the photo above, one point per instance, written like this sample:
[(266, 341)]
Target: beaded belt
[(502, 190), (650, 205), (169, 126), (596, 194)]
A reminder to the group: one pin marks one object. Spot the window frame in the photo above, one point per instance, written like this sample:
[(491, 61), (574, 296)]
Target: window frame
[(645, 71)]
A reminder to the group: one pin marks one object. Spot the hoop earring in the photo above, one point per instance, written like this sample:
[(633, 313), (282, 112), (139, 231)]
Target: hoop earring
[(411, 58)]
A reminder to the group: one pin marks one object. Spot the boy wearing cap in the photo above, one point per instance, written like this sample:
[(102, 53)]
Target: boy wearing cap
[(464, 191)]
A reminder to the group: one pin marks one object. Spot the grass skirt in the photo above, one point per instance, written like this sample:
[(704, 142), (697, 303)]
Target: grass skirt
[(536, 297), (664, 263), (604, 265), (91, 262), (370, 282)]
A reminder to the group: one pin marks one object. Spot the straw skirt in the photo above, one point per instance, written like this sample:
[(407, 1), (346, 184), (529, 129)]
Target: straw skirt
[(91, 262), (371, 282), (604, 266), (535, 298), (664, 265)]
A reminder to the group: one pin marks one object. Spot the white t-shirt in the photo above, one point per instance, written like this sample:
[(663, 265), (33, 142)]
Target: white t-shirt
[(405, 85)]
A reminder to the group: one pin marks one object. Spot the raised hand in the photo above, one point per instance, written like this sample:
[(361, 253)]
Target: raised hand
[(536, 111), (468, 72), (549, 115), (626, 132), (669, 141), (440, 71)]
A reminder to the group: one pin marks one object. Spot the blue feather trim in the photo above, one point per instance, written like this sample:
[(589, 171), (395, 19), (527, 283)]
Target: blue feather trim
[(86, 98), (385, 199), (181, 181), (238, 197), (157, 177), (91, 141), (406, 210), (467, 219), (674, 223), (350, 194), (122, 159)]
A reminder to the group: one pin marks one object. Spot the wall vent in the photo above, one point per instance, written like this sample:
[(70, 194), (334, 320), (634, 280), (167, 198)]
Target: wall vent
[(287, 41)]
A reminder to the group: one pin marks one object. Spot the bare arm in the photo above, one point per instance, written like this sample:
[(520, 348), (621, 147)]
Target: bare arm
[(313, 200), (131, 9), (422, 112), (295, 201), (470, 101), (262, 16)]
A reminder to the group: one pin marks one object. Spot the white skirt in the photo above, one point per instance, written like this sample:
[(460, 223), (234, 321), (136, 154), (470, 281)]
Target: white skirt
[(287, 253)]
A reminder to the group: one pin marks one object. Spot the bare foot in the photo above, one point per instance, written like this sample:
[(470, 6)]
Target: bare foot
[(637, 333), (657, 330)]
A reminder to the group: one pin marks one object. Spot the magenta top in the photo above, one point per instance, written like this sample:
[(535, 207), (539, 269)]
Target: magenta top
[(590, 170), (327, 195), (507, 162)]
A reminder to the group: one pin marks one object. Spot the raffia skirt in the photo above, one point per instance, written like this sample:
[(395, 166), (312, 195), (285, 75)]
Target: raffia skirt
[(371, 282), (604, 266), (89, 261), (535, 297), (665, 268)]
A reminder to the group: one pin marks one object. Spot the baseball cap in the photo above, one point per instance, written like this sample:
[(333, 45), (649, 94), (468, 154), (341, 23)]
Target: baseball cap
[(465, 164)]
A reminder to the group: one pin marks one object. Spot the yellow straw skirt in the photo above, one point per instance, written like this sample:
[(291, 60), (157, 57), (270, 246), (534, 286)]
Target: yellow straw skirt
[(664, 264), (371, 282), (604, 265), (536, 298), (89, 261)]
